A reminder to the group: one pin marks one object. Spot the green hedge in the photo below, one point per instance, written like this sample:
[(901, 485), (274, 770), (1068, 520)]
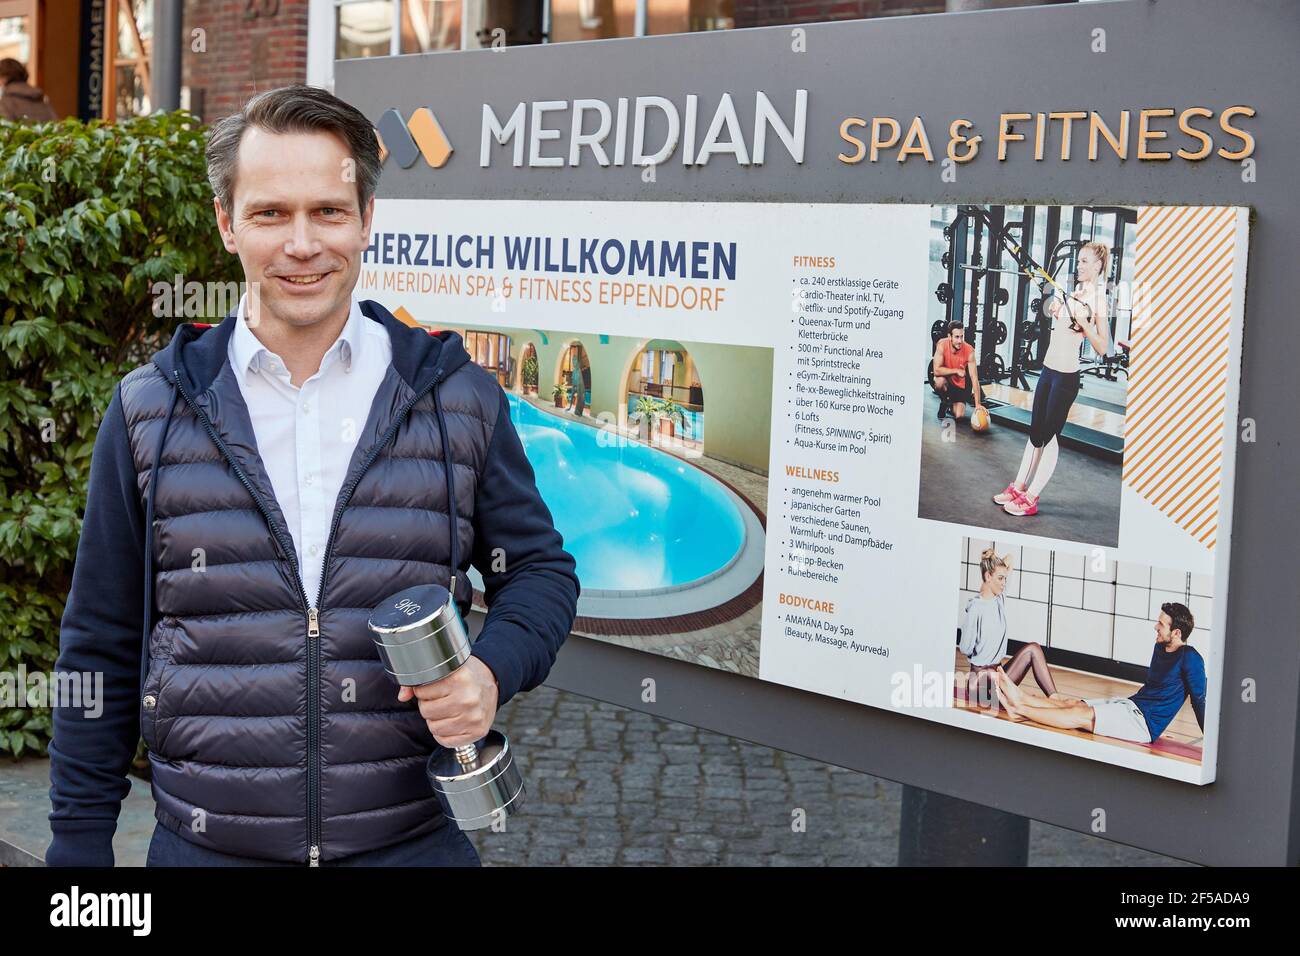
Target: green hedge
[(91, 217)]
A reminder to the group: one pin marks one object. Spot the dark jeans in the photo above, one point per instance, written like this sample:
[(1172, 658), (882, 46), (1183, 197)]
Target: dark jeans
[(445, 846)]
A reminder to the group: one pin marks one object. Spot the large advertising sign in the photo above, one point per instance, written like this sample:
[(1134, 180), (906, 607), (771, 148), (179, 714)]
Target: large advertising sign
[(903, 412), (779, 441)]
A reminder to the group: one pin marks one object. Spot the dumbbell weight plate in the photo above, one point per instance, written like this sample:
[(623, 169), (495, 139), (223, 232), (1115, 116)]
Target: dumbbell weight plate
[(473, 799), (993, 369)]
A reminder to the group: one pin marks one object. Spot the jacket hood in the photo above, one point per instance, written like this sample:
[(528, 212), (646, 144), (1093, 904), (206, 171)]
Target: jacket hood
[(21, 89), (198, 349)]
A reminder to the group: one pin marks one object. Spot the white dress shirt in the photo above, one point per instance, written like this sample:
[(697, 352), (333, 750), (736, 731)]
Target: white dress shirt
[(306, 435)]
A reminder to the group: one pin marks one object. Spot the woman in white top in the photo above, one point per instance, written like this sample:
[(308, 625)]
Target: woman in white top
[(1080, 314), (984, 637)]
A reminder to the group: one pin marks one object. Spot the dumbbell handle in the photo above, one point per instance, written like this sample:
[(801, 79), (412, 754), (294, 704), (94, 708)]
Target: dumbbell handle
[(467, 756)]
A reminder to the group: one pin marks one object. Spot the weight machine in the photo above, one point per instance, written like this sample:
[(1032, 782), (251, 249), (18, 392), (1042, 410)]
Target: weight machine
[(973, 291)]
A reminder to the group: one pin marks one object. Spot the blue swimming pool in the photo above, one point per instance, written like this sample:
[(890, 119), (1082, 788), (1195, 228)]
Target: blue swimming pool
[(633, 517)]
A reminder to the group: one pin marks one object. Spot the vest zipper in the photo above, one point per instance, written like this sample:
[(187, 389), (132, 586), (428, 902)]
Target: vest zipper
[(313, 611), (313, 629)]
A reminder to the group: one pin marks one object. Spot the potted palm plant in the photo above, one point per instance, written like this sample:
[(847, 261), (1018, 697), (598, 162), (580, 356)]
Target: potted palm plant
[(560, 394), (670, 413), (529, 374), (644, 414)]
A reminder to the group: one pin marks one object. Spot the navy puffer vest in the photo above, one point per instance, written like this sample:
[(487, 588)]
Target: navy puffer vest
[(273, 730)]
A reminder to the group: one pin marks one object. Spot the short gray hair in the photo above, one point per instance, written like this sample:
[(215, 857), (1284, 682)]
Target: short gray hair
[(293, 109)]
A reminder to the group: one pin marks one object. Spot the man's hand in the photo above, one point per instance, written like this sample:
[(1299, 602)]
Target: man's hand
[(458, 709)]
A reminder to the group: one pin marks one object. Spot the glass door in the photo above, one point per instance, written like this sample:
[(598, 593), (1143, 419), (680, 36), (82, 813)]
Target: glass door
[(17, 33)]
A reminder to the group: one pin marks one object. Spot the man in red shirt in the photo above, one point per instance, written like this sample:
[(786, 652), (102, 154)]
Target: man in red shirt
[(954, 360)]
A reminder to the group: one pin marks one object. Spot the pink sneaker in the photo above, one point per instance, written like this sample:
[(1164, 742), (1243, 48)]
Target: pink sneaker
[(1007, 494), (1023, 506)]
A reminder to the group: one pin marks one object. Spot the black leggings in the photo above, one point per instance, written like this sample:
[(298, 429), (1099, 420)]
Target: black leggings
[(1053, 396)]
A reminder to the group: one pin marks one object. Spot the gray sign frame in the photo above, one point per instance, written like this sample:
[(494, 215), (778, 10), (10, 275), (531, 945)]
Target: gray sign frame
[(1159, 53)]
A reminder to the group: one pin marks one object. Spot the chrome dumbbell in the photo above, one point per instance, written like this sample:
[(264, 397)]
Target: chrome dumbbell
[(421, 638)]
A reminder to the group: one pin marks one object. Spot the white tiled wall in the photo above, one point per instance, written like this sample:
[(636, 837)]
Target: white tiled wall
[(1169, 580), (1134, 640), (1138, 575), (1034, 585), (1202, 609), (1087, 603), (1070, 565), (1099, 596), (1033, 559)]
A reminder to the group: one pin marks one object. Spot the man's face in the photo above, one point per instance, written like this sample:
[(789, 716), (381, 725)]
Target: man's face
[(296, 225), (1164, 631), (958, 336)]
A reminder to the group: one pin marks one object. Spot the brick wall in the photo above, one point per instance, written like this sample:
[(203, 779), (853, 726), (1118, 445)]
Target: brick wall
[(244, 55), (762, 13)]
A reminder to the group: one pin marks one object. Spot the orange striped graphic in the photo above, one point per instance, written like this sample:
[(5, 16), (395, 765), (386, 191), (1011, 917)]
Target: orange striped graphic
[(1182, 313)]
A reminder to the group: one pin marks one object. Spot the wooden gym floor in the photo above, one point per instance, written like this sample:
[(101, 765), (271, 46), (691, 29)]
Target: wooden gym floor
[(1085, 416)]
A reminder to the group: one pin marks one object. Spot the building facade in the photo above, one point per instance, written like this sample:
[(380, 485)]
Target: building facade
[(95, 58)]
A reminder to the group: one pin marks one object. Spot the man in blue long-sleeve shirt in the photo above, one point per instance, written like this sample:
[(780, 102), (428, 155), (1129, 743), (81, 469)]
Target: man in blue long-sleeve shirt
[(1176, 672)]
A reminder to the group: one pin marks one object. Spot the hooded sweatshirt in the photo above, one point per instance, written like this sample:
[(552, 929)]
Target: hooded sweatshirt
[(21, 101), (111, 611), (984, 638)]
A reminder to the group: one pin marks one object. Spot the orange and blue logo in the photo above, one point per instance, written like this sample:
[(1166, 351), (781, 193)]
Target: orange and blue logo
[(407, 140)]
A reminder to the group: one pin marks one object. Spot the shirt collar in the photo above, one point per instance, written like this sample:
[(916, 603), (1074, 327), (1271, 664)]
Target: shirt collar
[(248, 355)]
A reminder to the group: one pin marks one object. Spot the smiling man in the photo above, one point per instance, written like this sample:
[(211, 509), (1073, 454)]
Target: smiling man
[(1176, 674), (255, 490)]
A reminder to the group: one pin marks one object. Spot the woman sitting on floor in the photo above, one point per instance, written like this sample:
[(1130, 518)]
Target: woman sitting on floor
[(984, 637)]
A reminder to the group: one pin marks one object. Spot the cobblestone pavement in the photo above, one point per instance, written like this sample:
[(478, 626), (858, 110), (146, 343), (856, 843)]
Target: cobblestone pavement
[(608, 785)]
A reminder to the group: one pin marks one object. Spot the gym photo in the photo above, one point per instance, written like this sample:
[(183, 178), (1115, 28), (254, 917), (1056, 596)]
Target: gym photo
[(1026, 369), (1102, 650)]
